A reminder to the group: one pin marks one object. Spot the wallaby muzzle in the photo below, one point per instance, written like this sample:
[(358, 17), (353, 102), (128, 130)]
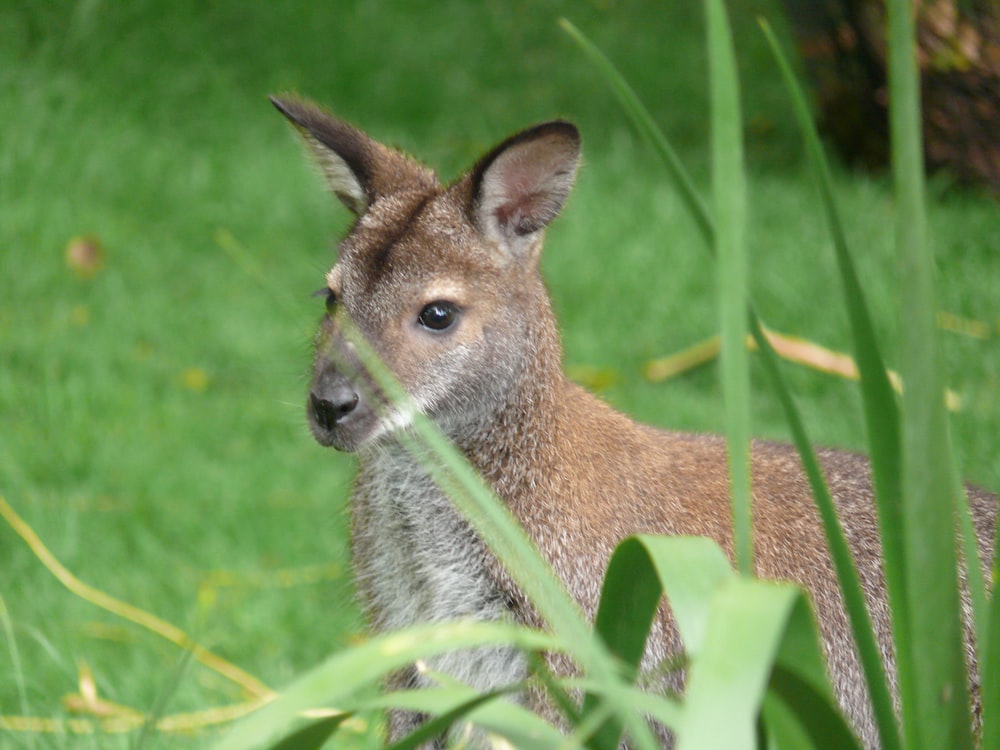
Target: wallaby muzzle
[(329, 409), (340, 412)]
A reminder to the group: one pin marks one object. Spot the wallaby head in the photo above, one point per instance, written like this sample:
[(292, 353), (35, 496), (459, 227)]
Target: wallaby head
[(440, 280)]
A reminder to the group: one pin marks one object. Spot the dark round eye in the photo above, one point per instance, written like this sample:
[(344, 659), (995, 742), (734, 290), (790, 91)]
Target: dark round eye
[(438, 316), (329, 298)]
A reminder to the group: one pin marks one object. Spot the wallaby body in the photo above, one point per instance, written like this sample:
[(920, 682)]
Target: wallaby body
[(443, 282)]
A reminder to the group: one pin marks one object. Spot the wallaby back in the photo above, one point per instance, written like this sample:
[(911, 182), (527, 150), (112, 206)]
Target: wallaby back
[(443, 282)]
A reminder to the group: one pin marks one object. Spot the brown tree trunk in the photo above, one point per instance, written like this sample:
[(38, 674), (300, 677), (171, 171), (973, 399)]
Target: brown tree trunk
[(842, 44)]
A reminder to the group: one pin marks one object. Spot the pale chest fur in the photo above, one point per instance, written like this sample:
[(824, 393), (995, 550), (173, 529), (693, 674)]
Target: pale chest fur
[(417, 561)]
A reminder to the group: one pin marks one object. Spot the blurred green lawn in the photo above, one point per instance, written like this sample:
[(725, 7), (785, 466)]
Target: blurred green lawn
[(151, 419)]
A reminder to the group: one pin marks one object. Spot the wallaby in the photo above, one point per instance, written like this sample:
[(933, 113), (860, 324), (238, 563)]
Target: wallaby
[(444, 283)]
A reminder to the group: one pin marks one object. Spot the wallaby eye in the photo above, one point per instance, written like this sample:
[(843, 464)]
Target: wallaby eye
[(330, 298), (438, 316)]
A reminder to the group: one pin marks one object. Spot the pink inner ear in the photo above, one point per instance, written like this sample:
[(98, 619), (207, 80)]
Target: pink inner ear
[(534, 180), (525, 213)]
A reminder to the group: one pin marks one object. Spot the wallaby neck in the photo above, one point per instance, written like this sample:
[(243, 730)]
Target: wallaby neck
[(518, 445)]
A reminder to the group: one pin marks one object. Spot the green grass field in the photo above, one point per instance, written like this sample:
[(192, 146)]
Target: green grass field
[(151, 414)]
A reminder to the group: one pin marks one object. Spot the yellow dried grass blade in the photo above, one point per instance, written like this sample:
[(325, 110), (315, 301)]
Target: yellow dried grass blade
[(180, 723), (684, 360), (791, 348), (140, 617)]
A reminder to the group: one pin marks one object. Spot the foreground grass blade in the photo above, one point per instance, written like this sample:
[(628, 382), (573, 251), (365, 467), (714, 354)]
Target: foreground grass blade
[(689, 570), (934, 692), (445, 716), (881, 419), (629, 598), (973, 562), (729, 205), (800, 680), (847, 573), (748, 622), (338, 680), (647, 128), (312, 735), (763, 639), (989, 665), (494, 522), (799, 716), (516, 724), (640, 571), (682, 182)]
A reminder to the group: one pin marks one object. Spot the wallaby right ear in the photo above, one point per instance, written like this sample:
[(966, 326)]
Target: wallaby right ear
[(521, 185), (357, 169)]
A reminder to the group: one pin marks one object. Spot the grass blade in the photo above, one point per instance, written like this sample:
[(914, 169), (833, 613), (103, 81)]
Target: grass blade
[(338, 679), (691, 572), (629, 598), (727, 681), (881, 419), (640, 571), (935, 699), (647, 128), (989, 665), (729, 204), (450, 705), (814, 714), (494, 522), (973, 562), (847, 573), (685, 187), (312, 735)]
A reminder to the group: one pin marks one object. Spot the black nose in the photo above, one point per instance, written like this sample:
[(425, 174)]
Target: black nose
[(329, 411)]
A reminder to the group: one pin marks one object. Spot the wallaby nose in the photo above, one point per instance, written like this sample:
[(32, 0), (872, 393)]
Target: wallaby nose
[(332, 409)]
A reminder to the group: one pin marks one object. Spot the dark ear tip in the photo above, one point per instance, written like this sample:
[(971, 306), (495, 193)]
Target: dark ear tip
[(563, 128), (293, 107), (567, 127)]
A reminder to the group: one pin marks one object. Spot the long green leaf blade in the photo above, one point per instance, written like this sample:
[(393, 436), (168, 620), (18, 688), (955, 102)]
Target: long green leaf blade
[(339, 678), (647, 128), (882, 422), (728, 679), (312, 736), (935, 698), (494, 522), (640, 571), (989, 666), (451, 705), (816, 716), (729, 205), (629, 598), (684, 185), (689, 569), (800, 681)]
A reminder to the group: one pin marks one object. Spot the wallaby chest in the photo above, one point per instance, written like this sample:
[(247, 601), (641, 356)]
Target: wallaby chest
[(417, 559)]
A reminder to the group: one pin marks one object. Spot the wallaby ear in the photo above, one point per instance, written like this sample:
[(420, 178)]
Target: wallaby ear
[(357, 168), (521, 185)]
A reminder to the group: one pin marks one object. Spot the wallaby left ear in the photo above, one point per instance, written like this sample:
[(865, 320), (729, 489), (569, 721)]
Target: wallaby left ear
[(358, 169), (521, 185)]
